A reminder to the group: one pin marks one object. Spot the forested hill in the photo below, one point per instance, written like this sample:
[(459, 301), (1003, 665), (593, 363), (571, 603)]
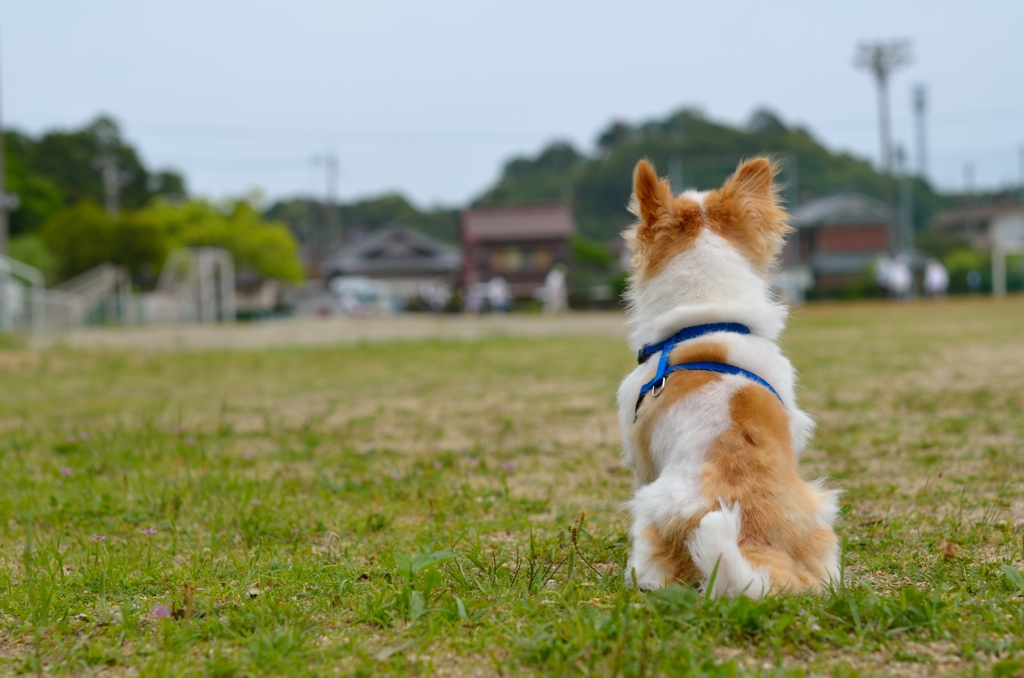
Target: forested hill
[(703, 152)]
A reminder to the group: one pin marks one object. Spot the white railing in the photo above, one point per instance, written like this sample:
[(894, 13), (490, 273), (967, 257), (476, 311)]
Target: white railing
[(27, 306), (22, 289), (196, 285), (107, 287)]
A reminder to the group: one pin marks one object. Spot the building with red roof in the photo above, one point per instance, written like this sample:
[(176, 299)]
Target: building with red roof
[(519, 244)]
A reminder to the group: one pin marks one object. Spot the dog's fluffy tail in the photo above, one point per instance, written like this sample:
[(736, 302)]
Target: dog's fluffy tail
[(714, 547)]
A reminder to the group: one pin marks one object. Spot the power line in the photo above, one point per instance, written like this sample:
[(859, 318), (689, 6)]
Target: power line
[(955, 118), (241, 164), (468, 137)]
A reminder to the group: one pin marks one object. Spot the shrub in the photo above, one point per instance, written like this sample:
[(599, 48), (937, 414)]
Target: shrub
[(83, 237)]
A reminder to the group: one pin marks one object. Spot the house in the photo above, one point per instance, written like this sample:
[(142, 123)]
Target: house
[(519, 244), (983, 226), (256, 296), (399, 260), (997, 228), (836, 241)]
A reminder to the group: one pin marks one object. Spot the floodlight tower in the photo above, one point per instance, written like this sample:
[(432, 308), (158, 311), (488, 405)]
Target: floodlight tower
[(920, 108), (882, 58)]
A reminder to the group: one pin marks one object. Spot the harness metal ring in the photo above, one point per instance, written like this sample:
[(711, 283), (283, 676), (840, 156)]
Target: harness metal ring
[(659, 387)]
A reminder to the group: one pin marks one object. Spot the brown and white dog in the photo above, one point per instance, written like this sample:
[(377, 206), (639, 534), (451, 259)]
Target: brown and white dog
[(714, 453)]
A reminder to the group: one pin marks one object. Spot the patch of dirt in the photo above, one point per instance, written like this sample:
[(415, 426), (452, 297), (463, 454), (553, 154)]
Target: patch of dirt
[(336, 331)]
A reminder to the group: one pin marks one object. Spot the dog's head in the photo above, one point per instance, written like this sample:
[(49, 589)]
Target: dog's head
[(744, 214)]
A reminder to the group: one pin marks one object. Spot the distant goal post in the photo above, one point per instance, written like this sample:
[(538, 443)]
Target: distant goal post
[(1000, 251)]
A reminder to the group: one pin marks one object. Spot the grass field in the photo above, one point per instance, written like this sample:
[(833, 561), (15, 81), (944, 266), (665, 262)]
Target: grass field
[(455, 508)]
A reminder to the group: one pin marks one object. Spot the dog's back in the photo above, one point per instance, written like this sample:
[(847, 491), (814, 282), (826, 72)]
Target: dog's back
[(714, 448)]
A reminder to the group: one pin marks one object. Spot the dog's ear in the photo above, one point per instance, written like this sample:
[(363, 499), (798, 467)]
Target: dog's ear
[(652, 198), (667, 225), (751, 215), (754, 177)]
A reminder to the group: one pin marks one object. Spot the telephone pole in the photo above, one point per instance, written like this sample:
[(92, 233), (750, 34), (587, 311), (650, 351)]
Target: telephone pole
[(906, 218), (920, 108), (331, 180), (326, 234), (111, 177), (882, 58), (3, 194), (111, 174), (330, 163), (675, 174), (1021, 152)]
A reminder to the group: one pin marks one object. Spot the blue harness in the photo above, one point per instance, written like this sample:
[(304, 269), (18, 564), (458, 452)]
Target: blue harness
[(657, 384)]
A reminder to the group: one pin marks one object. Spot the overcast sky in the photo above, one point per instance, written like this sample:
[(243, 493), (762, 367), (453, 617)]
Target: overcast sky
[(431, 98)]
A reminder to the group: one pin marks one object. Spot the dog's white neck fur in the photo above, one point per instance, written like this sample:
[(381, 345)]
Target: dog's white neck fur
[(709, 282)]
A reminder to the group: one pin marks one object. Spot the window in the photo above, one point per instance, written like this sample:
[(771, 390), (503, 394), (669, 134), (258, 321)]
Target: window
[(542, 260), (520, 259), (507, 259)]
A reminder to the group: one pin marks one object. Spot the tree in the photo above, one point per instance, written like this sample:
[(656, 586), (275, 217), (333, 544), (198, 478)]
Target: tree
[(304, 216), (709, 151), (38, 198), (71, 160), (548, 178), (267, 248), (764, 121), (30, 249), (83, 237)]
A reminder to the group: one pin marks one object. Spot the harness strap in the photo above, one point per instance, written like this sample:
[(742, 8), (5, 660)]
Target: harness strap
[(655, 385), (686, 334), (721, 368)]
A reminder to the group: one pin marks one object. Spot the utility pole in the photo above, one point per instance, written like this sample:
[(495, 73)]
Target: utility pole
[(969, 220), (882, 58), (326, 231), (1021, 153), (113, 178), (906, 232), (920, 108), (675, 174), (791, 173), (331, 193), (3, 195)]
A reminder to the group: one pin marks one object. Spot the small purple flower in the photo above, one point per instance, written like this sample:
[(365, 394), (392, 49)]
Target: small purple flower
[(438, 465), (99, 537), (508, 467), (471, 460), (149, 531), (83, 436), (815, 627), (396, 475), (255, 502), (248, 456), (189, 440), (160, 611), (71, 438), (65, 471)]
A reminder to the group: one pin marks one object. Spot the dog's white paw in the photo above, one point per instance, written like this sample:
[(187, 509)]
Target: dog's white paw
[(648, 575)]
